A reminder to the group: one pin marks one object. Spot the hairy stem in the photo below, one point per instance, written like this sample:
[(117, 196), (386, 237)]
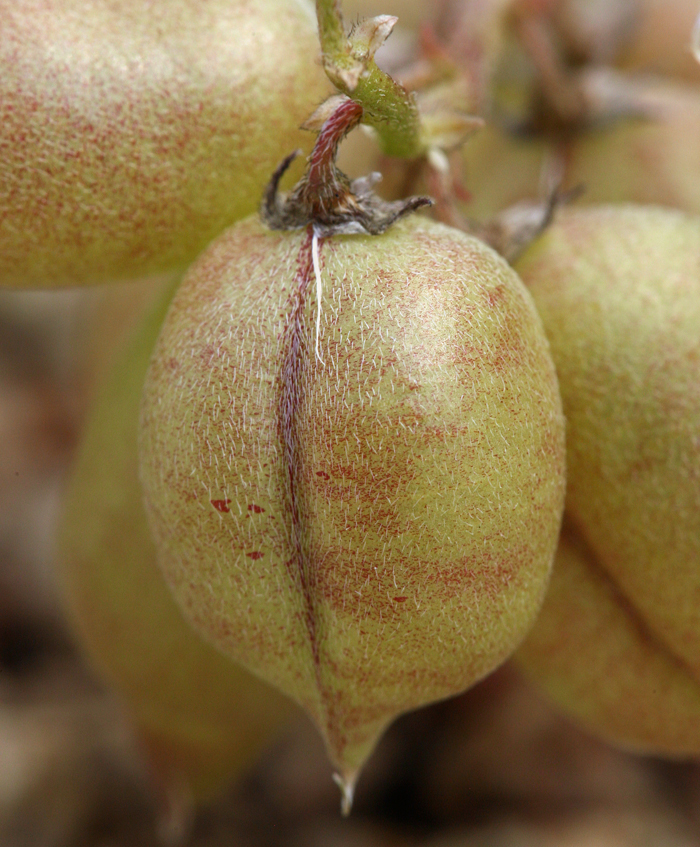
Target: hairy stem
[(349, 64), (330, 28)]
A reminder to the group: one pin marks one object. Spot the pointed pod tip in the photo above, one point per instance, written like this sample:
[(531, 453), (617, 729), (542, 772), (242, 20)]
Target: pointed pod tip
[(347, 791), (175, 813)]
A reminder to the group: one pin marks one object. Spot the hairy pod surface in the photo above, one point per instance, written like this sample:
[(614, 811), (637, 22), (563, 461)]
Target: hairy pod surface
[(618, 289), (134, 132), (201, 718), (369, 526)]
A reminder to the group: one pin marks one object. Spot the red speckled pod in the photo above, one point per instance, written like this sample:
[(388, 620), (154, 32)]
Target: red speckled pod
[(133, 131), (363, 511)]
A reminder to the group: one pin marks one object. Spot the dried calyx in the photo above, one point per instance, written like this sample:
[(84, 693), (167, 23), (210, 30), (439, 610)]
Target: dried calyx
[(512, 231), (325, 197)]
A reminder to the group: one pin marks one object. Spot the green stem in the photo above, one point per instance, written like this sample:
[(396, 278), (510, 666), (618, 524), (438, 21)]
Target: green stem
[(388, 108), (330, 28)]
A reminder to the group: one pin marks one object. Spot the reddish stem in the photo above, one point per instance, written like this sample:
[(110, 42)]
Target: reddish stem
[(322, 169)]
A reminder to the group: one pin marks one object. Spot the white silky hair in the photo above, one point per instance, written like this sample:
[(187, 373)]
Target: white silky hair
[(317, 274)]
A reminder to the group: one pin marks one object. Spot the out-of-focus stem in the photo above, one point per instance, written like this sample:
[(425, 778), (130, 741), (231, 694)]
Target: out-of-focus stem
[(559, 87)]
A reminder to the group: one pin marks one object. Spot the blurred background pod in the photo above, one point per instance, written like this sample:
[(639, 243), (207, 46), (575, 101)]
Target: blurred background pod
[(618, 290), (132, 133), (202, 719), (593, 655)]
